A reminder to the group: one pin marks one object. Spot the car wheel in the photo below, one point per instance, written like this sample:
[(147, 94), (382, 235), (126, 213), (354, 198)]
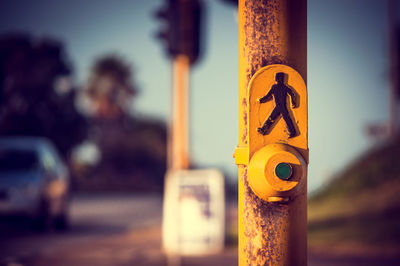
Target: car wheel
[(61, 222), (42, 219)]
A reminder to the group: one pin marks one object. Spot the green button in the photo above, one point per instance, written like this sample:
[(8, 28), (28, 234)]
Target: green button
[(283, 171)]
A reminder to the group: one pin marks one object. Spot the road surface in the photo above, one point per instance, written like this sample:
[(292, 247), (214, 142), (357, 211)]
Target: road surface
[(119, 230), (105, 230)]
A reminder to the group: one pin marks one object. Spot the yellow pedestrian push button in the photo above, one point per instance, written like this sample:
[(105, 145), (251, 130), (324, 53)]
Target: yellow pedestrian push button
[(277, 146)]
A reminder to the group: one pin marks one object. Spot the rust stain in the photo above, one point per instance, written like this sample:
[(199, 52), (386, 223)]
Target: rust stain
[(264, 45), (265, 41), (244, 133), (266, 229)]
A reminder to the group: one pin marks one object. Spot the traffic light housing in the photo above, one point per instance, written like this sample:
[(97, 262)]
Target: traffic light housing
[(181, 31)]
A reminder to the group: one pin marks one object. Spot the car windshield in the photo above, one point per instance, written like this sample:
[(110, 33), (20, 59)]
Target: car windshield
[(17, 160)]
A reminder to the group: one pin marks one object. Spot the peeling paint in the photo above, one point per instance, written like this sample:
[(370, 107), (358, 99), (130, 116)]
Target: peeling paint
[(244, 133)]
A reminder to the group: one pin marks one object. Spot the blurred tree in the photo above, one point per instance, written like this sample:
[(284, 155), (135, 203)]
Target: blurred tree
[(36, 96), (110, 87), (132, 149)]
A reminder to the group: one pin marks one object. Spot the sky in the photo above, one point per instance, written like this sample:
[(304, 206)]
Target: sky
[(347, 69)]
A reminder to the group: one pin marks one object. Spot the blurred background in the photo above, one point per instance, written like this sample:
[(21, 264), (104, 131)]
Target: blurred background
[(85, 102)]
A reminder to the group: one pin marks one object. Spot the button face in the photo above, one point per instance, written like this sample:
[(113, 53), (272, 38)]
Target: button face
[(277, 170), (283, 171)]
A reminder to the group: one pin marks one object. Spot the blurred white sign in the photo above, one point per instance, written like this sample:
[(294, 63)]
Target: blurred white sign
[(194, 212)]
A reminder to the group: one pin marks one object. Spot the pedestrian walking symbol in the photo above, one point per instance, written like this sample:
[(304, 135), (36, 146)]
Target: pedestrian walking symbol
[(279, 92)]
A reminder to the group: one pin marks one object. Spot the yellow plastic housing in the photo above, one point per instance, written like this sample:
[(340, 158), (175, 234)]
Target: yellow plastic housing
[(261, 172)]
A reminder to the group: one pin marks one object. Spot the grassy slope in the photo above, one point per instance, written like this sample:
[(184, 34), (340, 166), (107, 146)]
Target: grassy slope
[(362, 204)]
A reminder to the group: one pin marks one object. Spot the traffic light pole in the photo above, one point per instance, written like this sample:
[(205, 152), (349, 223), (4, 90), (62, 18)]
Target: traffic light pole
[(270, 32), (178, 150), (181, 35)]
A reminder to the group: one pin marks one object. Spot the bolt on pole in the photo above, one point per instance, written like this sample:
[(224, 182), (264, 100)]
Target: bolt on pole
[(273, 231)]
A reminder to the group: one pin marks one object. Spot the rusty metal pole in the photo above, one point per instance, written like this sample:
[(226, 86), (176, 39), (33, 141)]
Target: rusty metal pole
[(178, 140), (270, 32)]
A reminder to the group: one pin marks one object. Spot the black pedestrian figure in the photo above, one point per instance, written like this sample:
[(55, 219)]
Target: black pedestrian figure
[(280, 91)]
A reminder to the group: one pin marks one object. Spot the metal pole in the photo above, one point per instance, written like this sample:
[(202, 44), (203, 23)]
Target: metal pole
[(178, 151), (270, 32), (178, 155)]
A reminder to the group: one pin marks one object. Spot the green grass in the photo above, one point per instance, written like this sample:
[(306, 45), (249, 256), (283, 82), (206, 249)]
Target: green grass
[(362, 203)]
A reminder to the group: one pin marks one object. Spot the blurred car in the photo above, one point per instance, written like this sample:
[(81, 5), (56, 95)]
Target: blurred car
[(34, 182)]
